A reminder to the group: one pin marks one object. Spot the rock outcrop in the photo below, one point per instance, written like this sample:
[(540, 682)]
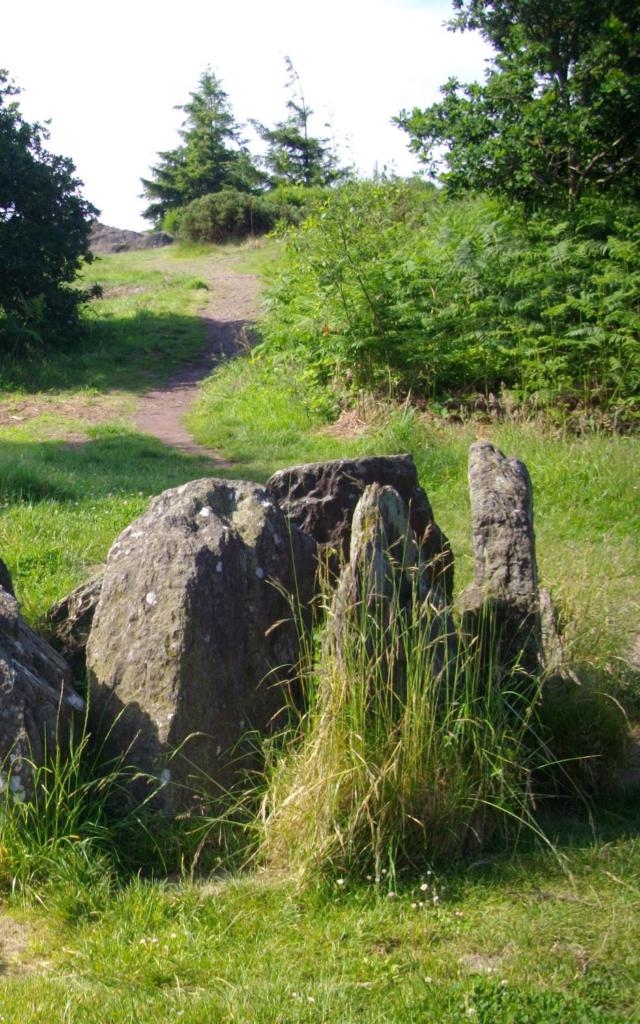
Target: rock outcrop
[(193, 642), (37, 701), (321, 498), (70, 622), (501, 608), (104, 239)]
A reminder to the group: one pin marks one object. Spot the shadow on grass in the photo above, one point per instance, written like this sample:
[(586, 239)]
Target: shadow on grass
[(115, 463), (114, 352)]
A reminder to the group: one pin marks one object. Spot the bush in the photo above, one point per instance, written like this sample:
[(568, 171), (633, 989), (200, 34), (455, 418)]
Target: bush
[(230, 214), (390, 282), (44, 230)]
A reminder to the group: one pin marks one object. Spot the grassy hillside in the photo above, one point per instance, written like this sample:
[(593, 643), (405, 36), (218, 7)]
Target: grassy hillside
[(533, 934)]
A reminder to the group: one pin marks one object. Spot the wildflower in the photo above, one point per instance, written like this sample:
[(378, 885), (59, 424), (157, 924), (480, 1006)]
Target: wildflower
[(424, 887), (414, 906), (340, 881), (391, 895)]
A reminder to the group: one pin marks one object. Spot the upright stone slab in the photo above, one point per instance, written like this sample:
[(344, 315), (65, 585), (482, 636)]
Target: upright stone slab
[(37, 701), (321, 497), (192, 641), (386, 597), (501, 607)]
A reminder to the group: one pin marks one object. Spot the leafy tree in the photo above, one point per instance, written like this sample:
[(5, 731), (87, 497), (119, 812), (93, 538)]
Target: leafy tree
[(44, 224), (212, 155), (293, 156), (558, 115)]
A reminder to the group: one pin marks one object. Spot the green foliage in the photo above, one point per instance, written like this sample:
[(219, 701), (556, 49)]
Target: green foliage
[(232, 215), (294, 156), (558, 113), (212, 154), (44, 231), (390, 284)]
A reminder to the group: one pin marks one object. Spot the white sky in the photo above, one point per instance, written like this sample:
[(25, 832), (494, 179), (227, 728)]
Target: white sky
[(109, 75)]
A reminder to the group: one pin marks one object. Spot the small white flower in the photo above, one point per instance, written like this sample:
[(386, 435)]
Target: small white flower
[(391, 895), (340, 881), (152, 599), (424, 887)]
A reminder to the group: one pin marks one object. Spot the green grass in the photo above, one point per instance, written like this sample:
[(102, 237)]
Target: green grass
[(521, 939)]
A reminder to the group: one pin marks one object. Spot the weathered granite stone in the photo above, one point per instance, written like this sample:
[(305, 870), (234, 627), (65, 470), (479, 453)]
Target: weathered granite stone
[(37, 701), (192, 641), (70, 621), (321, 498), (501, 608)]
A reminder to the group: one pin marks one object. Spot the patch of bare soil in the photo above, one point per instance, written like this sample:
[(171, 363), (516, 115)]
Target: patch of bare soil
[(16, 412), (15, 939), (230, 312)]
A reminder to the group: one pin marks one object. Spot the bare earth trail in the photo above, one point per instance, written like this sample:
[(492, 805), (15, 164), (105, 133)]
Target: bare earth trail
[(230, 312)]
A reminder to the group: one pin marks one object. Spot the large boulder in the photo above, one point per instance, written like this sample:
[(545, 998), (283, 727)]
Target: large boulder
[(501, 608), (321, 497), (193, 640), (69, 623), (37, 701)]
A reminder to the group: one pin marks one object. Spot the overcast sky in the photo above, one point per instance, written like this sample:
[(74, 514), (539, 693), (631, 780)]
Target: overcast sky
[(109, 75)]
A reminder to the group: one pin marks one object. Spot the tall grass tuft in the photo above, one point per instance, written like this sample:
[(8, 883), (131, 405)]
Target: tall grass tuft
[(402, 757), (79, 832)]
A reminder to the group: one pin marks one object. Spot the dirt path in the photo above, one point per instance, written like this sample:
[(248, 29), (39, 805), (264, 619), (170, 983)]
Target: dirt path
[(229, 314)]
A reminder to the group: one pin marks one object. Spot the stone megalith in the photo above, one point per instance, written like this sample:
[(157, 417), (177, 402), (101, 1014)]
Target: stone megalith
[(387, 601), (69, 623), (321, 497), (37, 701), (193, 641), (501, 608)]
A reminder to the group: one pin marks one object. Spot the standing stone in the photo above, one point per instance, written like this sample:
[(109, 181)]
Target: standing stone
[(193, 641), (501, 609), (37, 701), (321, 497), (386, 598), (70, 621)]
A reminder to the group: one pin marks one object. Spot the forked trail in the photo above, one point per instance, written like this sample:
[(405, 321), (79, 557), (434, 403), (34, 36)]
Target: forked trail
[(231, 310)]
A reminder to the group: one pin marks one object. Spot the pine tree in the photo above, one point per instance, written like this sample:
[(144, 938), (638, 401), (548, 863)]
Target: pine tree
[(212, 155)]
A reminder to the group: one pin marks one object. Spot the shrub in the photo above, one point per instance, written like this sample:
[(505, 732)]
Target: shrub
[(230, 214), (44, 231), (389, 282)]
